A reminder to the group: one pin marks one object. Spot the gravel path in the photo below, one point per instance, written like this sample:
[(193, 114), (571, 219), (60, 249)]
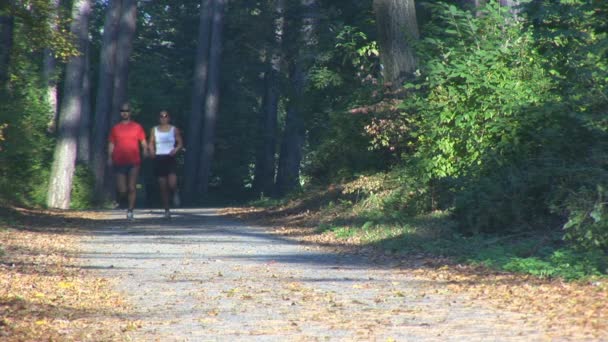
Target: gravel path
[(203, 277)]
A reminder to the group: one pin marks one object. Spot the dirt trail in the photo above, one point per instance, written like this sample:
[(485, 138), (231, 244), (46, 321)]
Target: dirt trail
[(203, 277)]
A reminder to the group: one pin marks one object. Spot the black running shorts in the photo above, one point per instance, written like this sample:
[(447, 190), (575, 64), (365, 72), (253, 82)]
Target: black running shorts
[(164, 165)]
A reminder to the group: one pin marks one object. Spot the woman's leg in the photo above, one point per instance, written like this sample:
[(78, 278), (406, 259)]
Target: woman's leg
[(164, 191), (172, 182)]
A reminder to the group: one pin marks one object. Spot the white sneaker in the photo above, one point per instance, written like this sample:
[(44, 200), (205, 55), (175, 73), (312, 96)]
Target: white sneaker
[(176, 199), (167, 214), (130, 215)]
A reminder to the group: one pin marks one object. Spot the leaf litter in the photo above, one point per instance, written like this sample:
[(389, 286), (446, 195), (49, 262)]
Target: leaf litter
[(571, 310), (44, 294)]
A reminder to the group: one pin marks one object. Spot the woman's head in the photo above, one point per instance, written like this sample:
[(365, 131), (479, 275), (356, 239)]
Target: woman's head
[(164, 116)]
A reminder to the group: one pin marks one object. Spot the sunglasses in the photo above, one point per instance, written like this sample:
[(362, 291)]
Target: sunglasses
[(125, 111), (164, 116)]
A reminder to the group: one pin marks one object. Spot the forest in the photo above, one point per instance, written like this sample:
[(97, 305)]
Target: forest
[(490, 114)]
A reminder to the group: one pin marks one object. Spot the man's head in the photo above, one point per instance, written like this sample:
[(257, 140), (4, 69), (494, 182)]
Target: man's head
[(125, 112)]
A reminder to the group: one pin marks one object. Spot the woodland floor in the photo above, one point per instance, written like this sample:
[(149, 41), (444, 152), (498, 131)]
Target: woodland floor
[(252, 274)]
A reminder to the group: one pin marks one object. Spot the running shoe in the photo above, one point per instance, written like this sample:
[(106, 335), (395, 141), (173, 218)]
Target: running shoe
[(130, 215)]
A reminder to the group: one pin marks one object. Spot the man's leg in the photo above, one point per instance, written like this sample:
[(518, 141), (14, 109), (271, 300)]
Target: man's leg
[(121, 187), (132, 186)]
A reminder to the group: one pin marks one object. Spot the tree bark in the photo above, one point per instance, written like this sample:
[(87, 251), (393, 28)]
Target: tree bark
[(265, 159), (6, 41), (397, 25), (512, 5), (124, 46), (49, 70), (84, 133), (199, 92), (64, 162), (212, 99), (103, 101), (294, 134)]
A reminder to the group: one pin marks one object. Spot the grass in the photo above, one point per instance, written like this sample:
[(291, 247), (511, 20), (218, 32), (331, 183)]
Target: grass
[(367, 222), (534, 253)]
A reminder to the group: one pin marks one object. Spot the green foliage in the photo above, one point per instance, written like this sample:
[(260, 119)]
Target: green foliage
[(266, 202), (588, 217), (573, 38), (564, 263), (541, 254), (25, 158), (502, 136), (82, 188), (44, 26), (484, 84)]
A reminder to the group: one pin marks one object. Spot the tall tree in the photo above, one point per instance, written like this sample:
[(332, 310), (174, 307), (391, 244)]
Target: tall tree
[(103, 101), (124, 46), (199, 92), (294, 134), (6, 41), (49, 68), (397, 25), (212, 98), (62, 171), (265, 158), (84, 133)]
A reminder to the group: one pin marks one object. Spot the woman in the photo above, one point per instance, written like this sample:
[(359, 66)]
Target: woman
[(165, 142)]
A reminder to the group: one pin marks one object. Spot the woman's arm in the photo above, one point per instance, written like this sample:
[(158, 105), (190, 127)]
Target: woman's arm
[(179, 143)]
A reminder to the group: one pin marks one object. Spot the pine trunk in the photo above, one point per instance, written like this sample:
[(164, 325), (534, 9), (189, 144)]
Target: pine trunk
[(103, 101), (84, 134), (64, 162), (124, 46), (212, 99), (49, 70), (265, 159), (6, 41), (397, 26), (199, 91), (294, 134)]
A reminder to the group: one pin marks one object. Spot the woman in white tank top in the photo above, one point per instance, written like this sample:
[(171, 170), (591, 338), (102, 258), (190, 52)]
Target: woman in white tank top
[(165, 142)]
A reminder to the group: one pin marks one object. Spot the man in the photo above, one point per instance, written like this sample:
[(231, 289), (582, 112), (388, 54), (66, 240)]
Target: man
[(124, 143)]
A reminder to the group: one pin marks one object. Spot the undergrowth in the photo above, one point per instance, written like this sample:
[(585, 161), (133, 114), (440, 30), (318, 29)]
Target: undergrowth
[(369, 218)]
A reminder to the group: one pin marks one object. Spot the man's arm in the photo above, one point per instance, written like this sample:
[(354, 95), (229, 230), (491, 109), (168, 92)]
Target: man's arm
[(152, 143), (110, 151), (144, 147)]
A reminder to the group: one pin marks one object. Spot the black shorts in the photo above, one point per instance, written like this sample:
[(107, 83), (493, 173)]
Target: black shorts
[(164, 165)]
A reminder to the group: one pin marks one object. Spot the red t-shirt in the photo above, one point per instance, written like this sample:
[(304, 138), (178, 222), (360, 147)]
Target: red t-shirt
[(126, 138)]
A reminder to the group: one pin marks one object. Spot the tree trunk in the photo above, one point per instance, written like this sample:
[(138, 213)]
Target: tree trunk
[(64, 162), (265, 159), (199, 91), (103, 101), (126, 34), (6, 41), (294, 134), (49, 70), (397, 25), (212, 99), (84, 134), (512, 5)]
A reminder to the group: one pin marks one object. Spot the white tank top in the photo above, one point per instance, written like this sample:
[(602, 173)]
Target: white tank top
[(165, 141)]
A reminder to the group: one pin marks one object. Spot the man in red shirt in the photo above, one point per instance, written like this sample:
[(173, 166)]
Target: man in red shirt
[(124, 143)]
